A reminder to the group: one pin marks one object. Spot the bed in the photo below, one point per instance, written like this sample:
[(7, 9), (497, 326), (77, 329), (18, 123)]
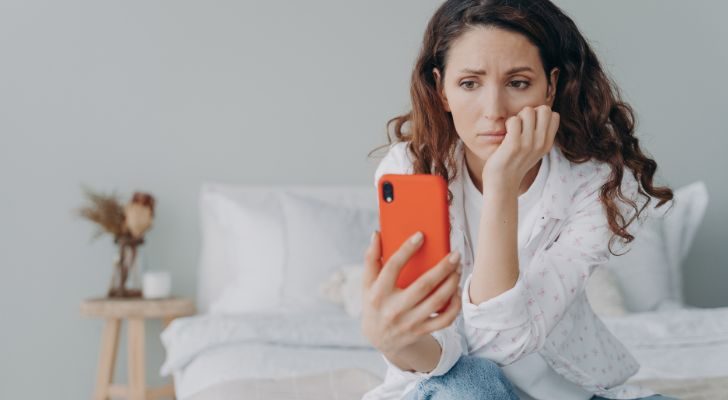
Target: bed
[(279, 302)]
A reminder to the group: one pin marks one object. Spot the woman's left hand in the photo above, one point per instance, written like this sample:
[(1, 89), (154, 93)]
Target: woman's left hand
[(529, 136)]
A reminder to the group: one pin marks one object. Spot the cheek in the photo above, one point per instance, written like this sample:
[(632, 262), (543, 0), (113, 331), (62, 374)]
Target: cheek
[(518, 102), (535, 97), (465, 122), (464, 109)]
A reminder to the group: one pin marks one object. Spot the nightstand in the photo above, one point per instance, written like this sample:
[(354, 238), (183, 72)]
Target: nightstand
[(135, 311)]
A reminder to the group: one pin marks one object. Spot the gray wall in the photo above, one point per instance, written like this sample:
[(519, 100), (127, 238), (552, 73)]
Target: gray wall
[(163, 95)]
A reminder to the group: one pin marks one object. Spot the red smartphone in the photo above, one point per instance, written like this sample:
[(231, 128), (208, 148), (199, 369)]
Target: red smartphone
[(411, 203)]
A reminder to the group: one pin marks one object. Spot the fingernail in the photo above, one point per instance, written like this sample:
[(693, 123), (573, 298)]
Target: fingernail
[(371, 240), (454, 257), (417, 238)]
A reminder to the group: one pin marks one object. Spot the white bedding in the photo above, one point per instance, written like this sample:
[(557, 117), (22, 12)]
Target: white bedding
[(260, 361), (677, 344), (204, 351)]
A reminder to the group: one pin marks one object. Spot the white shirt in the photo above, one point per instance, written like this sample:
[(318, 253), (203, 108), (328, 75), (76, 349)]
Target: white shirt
[(531, 376), (546, 312)]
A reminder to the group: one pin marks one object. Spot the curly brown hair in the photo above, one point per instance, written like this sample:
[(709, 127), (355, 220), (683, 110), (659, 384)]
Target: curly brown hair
[(595, 122)]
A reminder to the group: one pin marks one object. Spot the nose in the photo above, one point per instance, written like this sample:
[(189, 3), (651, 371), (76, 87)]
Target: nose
[(493, 104)]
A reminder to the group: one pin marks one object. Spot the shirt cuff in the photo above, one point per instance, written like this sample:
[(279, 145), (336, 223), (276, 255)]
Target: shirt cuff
[(449, 355), (505, 311)]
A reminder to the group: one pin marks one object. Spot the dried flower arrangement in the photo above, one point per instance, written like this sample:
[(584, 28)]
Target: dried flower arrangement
[(127, 224)]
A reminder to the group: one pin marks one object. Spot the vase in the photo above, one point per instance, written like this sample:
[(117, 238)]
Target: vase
[(126, 281)]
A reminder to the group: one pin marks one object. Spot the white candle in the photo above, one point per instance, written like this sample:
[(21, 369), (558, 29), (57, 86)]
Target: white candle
[(156, 284)]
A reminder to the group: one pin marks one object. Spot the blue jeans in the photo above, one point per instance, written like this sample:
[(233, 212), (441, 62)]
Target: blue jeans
[(474, 378)]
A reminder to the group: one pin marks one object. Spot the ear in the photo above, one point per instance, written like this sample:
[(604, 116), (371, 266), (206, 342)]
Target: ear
[(551, 90), (440, 90)]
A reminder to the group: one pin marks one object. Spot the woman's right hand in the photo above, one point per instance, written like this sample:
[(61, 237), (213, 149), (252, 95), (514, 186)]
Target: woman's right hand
[(394, 318)]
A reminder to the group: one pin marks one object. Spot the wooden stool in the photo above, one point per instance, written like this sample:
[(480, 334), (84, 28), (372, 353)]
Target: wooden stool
[(114, 310)]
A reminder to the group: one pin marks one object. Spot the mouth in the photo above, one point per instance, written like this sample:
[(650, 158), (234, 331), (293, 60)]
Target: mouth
[(492, 133), (492, 137)]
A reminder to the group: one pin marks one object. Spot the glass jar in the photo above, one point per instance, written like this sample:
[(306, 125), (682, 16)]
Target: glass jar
[(126, 279)]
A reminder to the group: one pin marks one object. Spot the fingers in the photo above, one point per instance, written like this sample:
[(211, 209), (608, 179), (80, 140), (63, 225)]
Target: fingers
[(528, 125), (553, 128), (512, 141), (543, 121), (437, 299), (514, 127), (391, 269), (372, 264), (425, 284), (445, 318), (540, 130)]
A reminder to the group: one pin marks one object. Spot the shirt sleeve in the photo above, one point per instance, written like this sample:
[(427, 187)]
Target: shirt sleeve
[(396, 380), (516, 322), (452, 344)]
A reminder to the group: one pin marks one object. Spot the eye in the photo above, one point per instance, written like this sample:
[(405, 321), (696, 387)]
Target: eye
[(523, 84), (468, 87)]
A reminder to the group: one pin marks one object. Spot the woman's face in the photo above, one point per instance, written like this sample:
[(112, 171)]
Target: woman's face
[(491, 74)]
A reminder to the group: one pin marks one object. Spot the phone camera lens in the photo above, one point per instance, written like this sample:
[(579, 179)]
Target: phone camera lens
[(388, 192)]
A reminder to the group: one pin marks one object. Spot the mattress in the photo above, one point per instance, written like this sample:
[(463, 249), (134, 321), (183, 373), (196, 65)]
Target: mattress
[(683, 353)]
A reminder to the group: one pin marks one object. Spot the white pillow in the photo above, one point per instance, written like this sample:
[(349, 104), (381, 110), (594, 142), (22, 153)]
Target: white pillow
[(344, 287), (602, 291), (243, 250), (650, 274), (681, 228), (321, 236)]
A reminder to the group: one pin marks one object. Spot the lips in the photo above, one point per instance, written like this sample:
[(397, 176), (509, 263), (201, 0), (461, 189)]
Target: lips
[(492, 133), (491, 138)]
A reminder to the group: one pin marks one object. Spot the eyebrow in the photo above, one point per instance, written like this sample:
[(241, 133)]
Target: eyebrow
[(514, 70)]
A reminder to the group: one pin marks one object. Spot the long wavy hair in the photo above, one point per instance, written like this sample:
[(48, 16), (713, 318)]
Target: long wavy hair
[(594, 121)]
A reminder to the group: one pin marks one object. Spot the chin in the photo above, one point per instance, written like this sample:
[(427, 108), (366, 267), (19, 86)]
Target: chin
[(483, 151)]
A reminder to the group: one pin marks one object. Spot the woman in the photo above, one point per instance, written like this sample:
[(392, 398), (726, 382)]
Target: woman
[(511, 106)]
